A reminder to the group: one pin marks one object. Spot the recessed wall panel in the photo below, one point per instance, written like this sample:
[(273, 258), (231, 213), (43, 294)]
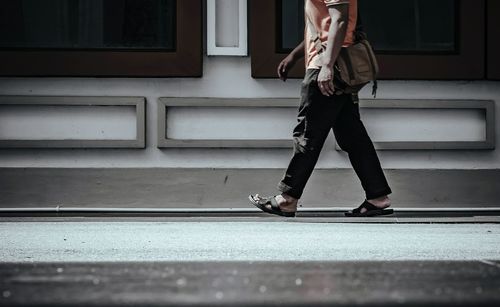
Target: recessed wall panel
[(230, 123), (269, 122), (424, 124), (226, 23), (72, 122), (30, 122)]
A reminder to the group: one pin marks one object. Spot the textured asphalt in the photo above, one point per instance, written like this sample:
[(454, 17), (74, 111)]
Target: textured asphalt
[(270, 283), (268, 262), (244, 241)]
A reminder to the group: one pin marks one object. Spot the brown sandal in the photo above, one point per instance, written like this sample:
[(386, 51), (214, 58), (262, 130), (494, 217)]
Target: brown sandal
[(371, 210), (261, 202)]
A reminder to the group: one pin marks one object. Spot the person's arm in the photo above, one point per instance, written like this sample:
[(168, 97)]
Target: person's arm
[(288, 62), (338, 28)]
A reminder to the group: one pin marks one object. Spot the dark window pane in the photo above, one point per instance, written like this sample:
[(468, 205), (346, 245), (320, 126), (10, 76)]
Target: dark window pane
[(410, 25), (392, 25), (88, 24), (292, 23)]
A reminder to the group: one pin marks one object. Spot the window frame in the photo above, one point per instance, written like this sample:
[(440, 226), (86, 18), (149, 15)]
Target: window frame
[(185, 61), (468, 63), (212, 48)]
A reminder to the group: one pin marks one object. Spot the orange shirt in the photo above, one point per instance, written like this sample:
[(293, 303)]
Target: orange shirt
[(318, 22)]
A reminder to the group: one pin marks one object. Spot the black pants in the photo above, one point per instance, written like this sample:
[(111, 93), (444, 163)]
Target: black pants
[(317, 115)]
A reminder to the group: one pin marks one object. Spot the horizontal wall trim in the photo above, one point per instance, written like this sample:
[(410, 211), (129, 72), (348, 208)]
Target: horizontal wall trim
[(315, 214), (58, 209), (138, 102), (165, 142), (201, 188)]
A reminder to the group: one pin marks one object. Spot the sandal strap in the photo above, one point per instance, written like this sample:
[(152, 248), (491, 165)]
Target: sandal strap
[(261, 200), (367, 205), (269, 201), (274, 203)]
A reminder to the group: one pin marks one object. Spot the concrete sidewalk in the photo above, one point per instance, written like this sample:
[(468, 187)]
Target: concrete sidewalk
[(203, 240)]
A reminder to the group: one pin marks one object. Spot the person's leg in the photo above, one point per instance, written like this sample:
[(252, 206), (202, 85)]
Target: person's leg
[(352, 137), (315, 117), (308, 138)]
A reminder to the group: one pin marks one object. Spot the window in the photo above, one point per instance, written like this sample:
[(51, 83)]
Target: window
[(414, 39), (100, 37), (291, 24), (493, 61), (422, 25)]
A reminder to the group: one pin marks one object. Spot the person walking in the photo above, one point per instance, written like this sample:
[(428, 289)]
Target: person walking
[(322, 107)]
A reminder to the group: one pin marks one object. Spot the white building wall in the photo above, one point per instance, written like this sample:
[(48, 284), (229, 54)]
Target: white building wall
[(231, 77)]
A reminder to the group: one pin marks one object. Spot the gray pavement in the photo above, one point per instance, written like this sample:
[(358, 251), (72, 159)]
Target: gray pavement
[(201, 240), (145, 261), (276, 283)]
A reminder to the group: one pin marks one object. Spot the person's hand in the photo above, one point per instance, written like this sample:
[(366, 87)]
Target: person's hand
[(285, 66), (325, 81)]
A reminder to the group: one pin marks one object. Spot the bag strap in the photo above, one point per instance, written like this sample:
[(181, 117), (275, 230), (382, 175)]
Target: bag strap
[(317, 41)]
